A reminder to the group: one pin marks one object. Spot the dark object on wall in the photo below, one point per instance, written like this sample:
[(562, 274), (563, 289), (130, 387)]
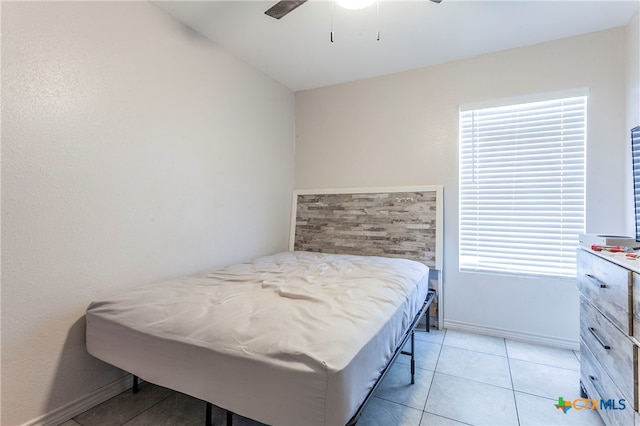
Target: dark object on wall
[(635, 155)]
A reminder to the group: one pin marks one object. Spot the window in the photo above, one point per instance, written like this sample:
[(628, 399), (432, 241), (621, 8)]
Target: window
[(522, 196)]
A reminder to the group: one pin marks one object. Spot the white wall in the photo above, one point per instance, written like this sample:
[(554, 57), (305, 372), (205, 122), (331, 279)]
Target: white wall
[(633, 71), (132, 151), (633, 105), (402, 129)]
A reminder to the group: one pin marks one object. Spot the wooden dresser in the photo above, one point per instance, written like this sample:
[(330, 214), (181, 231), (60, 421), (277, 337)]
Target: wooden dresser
[(609, 285)]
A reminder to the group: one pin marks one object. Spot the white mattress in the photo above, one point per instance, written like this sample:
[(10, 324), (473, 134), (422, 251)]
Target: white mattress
[(295, 338)]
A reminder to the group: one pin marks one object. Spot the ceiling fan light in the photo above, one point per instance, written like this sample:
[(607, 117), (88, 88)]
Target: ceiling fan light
[(354, 4)]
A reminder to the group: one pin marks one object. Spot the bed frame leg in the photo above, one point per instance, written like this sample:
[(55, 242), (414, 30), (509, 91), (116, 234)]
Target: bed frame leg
[(207, 418), (413, 360), (427, 328), (135, 387)]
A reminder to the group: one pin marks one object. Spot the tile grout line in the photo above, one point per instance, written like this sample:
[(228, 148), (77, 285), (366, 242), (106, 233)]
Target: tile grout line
[(474, 350), (475, 381), (433, 377), (150, 407), (545, 364), (513, 388)]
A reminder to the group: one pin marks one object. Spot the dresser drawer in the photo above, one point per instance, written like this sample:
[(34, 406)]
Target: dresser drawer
[(606, 286), (612, 349), (599, 386)]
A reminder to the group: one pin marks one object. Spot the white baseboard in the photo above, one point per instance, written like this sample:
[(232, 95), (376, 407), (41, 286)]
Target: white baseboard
[(80, 405), (513, 334)]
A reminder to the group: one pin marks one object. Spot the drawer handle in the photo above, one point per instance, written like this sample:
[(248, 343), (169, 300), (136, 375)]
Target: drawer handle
[(593, 382), (593, 331), (597, 281)]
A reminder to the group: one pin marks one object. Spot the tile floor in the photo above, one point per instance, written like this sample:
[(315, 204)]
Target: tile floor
[(461, 378)]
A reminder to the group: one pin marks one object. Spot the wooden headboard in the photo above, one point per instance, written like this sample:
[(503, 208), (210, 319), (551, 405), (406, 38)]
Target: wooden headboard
[(392, 222)]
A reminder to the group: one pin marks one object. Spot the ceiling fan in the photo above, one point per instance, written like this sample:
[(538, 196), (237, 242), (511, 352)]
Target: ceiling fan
[(284, 7)]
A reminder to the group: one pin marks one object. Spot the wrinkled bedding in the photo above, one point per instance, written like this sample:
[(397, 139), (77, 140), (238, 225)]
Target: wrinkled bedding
[(293, 338)]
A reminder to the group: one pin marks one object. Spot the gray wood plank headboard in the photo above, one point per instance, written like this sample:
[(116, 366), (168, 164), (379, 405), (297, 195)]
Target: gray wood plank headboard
[(392, 222)]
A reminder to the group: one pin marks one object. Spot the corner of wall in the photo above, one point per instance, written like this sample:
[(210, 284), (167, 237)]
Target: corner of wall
[(632, 94)]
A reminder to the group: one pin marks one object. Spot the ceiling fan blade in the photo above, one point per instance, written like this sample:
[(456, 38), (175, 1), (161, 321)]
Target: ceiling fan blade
[(283, 7), (436, 1)]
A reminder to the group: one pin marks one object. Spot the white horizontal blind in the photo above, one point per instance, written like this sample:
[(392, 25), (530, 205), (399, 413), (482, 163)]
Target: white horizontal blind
[(522, 196)]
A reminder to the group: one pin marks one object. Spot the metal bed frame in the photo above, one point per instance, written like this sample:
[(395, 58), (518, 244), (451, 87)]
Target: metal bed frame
[(407, 336)]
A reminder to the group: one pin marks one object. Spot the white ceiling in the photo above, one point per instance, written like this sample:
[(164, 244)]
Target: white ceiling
[(296, 50)]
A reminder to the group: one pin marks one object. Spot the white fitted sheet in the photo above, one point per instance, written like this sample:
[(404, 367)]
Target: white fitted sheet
[(295, 338)]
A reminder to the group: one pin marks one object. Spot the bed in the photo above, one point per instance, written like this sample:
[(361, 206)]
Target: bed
[(298, 337)]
